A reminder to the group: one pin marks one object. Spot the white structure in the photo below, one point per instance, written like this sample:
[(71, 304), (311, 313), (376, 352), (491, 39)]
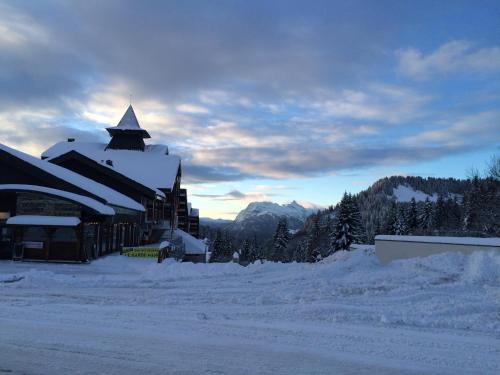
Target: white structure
[(389, 248)]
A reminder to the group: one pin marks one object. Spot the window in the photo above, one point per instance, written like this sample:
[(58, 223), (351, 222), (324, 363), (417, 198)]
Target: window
[(64, 235), (37, 234)]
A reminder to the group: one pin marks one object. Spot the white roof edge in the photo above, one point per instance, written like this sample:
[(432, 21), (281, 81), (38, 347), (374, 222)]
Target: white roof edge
[(81, 199), (471, 241), (41, 220)]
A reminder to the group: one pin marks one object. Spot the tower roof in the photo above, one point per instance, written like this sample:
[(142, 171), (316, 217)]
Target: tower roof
[(128, 125)]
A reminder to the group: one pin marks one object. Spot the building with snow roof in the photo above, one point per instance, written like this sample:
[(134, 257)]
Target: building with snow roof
[(57, 214), (136, 186)]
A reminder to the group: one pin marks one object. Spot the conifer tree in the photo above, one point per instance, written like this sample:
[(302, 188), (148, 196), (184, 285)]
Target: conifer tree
[(280, 241), (300, 252), (392, 216), (440, 213), (412, 216), (348, 226), (245, 253), (252, 251), (400, 226), (426, 217), (472, 205), (217, 254)]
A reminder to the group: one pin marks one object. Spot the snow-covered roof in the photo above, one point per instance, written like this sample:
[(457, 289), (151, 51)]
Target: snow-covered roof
[(127, 123), (85, 201), (153, 167), (193, 245), (111, 196), (476, 241), (56, 221)]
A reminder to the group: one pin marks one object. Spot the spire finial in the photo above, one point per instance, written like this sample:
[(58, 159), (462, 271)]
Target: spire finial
[(130, 99)]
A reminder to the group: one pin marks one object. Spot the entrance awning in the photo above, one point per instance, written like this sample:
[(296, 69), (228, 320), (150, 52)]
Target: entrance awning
[(44, 221)]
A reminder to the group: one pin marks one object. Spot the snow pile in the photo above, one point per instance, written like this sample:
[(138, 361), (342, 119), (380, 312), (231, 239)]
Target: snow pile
[(482, 268), (448, 290)]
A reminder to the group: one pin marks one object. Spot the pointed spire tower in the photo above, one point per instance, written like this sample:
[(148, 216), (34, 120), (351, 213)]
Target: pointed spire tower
[(127, 135)]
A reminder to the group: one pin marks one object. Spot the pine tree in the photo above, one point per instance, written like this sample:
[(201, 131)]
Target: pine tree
[(312, 253), (426, 217), (472, 206), (217, 254), (392, 216), (280, 242), (252, 251), (401, 226), (245, 253), (228, 249), (440, 213), (348, 226), (300, 252), (412, 216)]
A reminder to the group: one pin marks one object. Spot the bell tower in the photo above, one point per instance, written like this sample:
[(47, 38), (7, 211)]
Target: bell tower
[(127, 135)]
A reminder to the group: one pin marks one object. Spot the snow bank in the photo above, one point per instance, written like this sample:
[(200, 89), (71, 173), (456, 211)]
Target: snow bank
[(447, 290)]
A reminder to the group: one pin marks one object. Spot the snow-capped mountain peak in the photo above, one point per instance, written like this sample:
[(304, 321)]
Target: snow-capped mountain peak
[(290, 210)]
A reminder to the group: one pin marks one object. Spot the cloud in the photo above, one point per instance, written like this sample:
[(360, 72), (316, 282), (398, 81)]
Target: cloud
[(453, 57), (34, 130), (240, 91), (236, 195), (18, 29), (192, 108), (469, 131), (378, 102)]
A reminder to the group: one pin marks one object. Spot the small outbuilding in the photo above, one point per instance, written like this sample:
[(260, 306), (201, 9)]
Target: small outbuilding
[(389, 248)]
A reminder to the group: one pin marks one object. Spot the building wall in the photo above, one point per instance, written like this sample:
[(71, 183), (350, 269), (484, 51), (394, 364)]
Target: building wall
[(388, 251)]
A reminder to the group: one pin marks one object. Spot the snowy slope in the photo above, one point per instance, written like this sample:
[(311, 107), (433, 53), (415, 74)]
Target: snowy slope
[(404, 193), (345, 315)]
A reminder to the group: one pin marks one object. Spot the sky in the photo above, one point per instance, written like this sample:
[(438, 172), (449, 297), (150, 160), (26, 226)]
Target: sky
[(263, 100)]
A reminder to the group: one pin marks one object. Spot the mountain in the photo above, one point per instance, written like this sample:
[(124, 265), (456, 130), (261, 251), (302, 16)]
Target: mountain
[(454, 208), (259, 219), (293, 211), (208, 221)]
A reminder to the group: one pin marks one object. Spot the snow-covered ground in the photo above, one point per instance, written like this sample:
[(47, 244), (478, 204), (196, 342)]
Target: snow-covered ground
[(346, 315)]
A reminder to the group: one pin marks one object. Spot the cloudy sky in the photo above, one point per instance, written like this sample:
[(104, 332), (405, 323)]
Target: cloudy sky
[(264, 100)]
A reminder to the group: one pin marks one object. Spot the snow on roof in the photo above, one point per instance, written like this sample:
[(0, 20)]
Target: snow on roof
[(56, 221), (111, 196), (85, 201), (128, 122), (153, 167), (476, 241), (193, 245)]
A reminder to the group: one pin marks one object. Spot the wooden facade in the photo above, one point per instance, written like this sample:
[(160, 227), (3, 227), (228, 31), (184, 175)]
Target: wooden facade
[(21, 193), (94, 236)]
